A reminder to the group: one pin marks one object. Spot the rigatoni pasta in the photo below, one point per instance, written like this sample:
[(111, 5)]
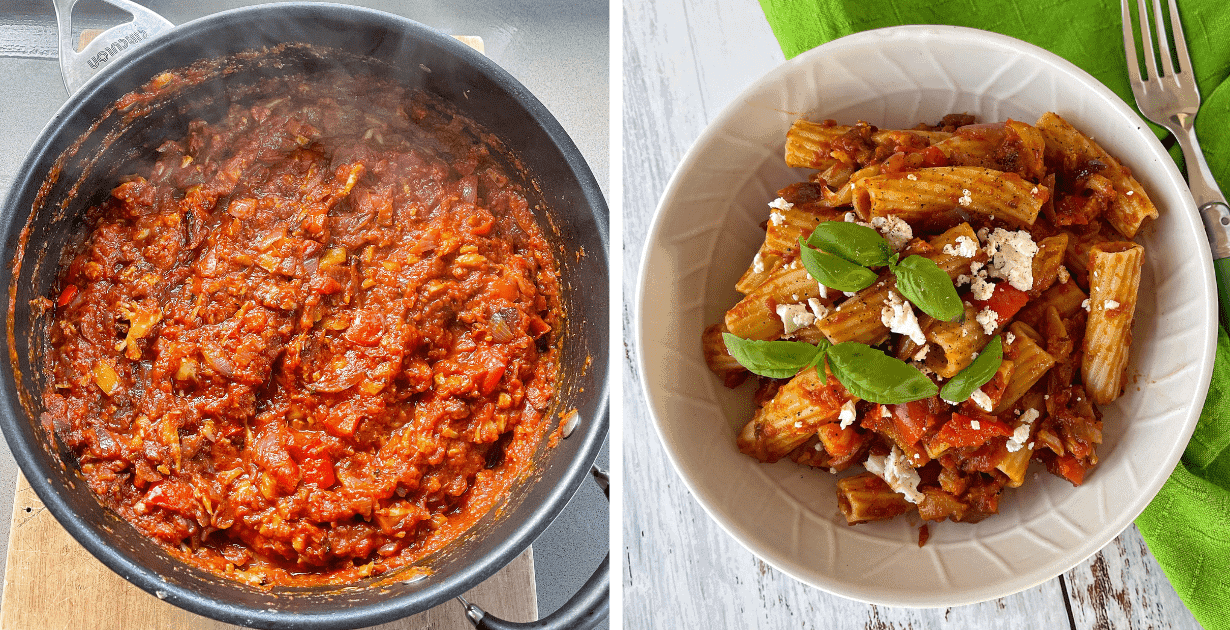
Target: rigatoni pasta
[(1031, 225), (931, 191), (1113, 284)]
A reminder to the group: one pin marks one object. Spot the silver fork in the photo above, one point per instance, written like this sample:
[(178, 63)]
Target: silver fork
[(1170, 99)]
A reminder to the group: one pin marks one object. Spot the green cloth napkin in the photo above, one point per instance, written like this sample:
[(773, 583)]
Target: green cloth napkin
[(1187, 526)]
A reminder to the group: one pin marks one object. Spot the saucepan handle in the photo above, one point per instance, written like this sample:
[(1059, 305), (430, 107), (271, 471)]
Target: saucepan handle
[(78, 67), (586, 609)]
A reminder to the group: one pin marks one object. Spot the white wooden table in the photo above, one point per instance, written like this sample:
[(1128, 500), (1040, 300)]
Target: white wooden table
[(684, 60)]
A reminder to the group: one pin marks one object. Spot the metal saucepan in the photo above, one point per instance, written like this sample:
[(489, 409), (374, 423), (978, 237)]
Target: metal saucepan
[(88, 145)]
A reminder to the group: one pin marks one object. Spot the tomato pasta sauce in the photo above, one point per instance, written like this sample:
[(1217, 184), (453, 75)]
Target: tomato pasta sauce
[(315, 341)]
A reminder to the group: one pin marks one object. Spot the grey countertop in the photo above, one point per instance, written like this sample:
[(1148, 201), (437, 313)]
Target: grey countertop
[(558, 49)]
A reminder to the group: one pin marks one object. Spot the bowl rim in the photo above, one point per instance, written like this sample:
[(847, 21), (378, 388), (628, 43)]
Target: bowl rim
[(983, 39)]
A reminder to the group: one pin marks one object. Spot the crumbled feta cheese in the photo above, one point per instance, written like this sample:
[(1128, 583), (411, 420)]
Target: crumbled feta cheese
[(912, 177), (850, 217), (758, 263), (1009, 338), (1021, 433), (896, 231), (832, 471), (817, 308), (922, 353), (962, 280), (980, 289), (896, 471), (976, 268), (1110, 305), (798, 425), (1128, 193), (884, 412), (965, 199), (818, 446), (776, 218), (1085, 305), (850, 293), (1031, 447), (824, 291), (1034, 191), (1064, 276), (780, 204), (974, 424), (898, 316), (981, 399), (794, 317), (964, 247), (795, 297), (1012, 257), (982, 234), (989, 320), (846, 416)]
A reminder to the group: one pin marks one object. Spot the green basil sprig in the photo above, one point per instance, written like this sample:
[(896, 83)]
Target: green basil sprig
[(877, 377), (928, 287), (861, 369), (976, 374), (856, 243), (849, 248), (833, 271), (775, 359)]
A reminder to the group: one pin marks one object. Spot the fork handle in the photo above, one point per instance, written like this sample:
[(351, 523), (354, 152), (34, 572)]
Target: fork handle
[(1214, 211), (1199, 179)]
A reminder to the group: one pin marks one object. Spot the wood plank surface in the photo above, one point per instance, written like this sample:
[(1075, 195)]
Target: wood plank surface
[(684, 60), (53, 582), (1123, 587)]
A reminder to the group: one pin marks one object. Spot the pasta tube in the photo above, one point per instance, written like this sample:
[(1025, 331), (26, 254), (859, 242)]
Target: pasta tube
[(793, 415), (752, 318), (1114, 279), (1131, 205), (929, 191), (1030, 365)]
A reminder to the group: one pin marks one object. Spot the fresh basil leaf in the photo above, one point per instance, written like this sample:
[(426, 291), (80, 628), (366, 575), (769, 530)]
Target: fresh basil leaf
[(856, 243), (928, 287), (975, 374), (835, 272), (774, 359), (823, 347), (877, 377)]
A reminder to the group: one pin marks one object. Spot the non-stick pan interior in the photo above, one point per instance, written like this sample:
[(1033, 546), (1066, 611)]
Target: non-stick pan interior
[(117, 142)]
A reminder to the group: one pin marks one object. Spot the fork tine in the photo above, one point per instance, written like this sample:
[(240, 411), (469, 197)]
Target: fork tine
[(1176, 27), (1163, 42), (1146, 39), (1129, 44)]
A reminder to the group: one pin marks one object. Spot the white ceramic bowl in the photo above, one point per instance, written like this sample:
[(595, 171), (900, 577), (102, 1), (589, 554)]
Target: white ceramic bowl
[(706, 232)]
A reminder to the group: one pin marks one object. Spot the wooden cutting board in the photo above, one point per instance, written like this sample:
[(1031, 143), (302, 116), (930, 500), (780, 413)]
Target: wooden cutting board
[(53, 582)]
